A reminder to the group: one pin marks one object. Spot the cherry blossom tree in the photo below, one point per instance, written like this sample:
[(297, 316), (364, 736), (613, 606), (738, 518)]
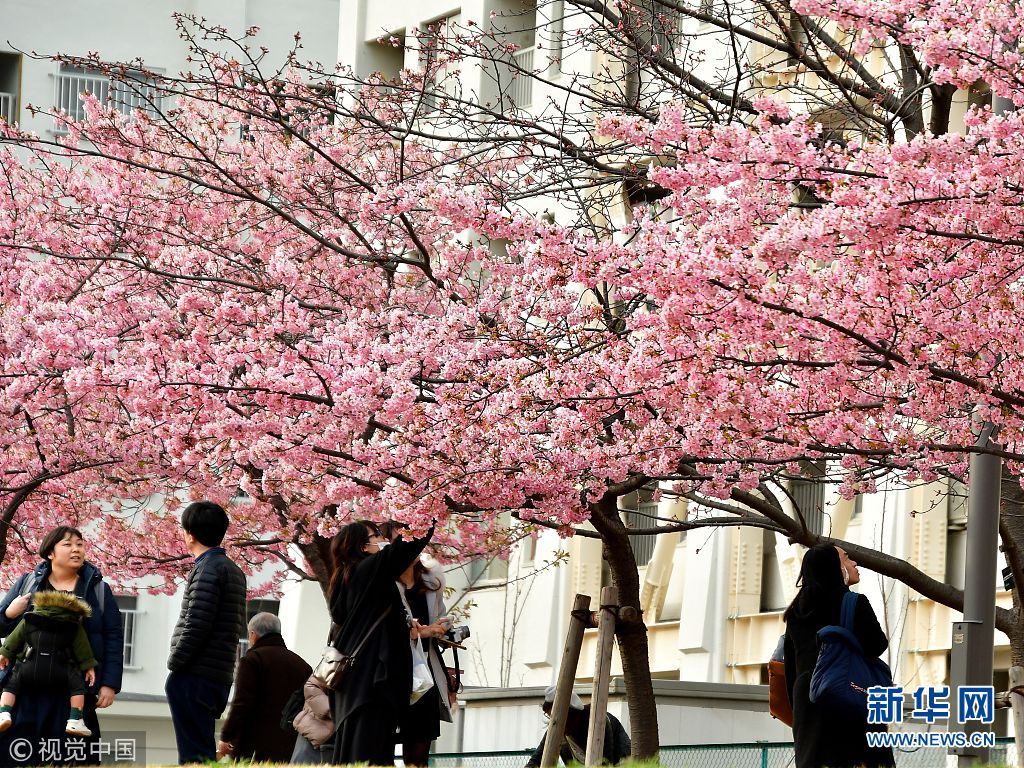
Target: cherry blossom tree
[(393, 298)]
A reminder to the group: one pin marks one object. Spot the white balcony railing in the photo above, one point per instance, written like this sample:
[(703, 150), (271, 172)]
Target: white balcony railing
[(73, 82), (72, 85), (8, 107), (521, 87)]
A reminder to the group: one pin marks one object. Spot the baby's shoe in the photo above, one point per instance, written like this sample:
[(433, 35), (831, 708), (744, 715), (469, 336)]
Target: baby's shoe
[(5, 721), (77, 727)]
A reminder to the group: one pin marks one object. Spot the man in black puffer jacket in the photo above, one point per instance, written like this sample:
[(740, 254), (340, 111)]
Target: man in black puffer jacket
[(205, 640)]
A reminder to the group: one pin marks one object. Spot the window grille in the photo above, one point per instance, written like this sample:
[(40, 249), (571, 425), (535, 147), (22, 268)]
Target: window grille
[(129, 625), (643, 517), (125, 97), (8, 107)]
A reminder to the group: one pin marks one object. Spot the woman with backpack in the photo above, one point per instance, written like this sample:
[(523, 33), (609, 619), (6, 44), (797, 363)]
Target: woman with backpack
[(821, 737), (43, 714)]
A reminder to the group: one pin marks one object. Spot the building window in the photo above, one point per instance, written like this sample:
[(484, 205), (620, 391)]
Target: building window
[(515, 24), (666, 24), (125, 96), (435, 47), (809, 494), (485, 570), (8, 107), (979, 94), (520, 91), (644, 516), (529, 550), (797, 37), (129, 624), (10, 84), (956, 535), (773, 594)]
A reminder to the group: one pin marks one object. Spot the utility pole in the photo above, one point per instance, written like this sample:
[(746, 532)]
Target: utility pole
[(974, 637)]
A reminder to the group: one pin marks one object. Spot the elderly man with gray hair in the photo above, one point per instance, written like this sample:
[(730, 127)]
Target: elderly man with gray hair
[(266, 676)]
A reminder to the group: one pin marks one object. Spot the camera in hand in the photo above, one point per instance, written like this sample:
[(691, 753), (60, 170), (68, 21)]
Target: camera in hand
[(457, 634)]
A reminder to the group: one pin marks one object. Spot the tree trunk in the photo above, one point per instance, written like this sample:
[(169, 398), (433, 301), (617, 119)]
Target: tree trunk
[(1011, 534), (913, 110), (942, 104), (318, 559), (630, 629)]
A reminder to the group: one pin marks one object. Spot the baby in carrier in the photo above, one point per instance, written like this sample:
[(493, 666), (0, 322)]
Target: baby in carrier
[(52, 650)]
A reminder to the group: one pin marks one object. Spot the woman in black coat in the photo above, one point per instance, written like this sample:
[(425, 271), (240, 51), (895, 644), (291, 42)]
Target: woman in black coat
[(375, 693), (822, 738)]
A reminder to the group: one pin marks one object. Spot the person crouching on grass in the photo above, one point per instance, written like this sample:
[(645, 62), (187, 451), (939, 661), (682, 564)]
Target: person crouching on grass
[(52, 650)]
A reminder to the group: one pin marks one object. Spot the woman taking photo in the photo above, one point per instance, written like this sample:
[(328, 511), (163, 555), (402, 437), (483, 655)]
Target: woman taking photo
[(821, 738), (421, 723), (41, 714), (366, 605)]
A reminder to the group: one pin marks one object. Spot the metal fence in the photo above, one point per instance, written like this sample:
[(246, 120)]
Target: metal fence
[(780, 755), (750, 755), (481, 759)]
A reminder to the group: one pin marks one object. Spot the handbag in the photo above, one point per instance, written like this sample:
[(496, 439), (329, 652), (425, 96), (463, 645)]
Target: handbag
[(779, 705), (454, 675), (842, 674), (330, 671), (333, 663), (422, 679)]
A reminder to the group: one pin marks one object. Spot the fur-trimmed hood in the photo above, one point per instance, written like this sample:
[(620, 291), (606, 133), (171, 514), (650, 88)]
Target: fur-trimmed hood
[(52, 603)]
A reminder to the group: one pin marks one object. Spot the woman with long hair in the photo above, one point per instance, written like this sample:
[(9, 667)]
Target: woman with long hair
[(821, 738), (421, 724), (368, 609)]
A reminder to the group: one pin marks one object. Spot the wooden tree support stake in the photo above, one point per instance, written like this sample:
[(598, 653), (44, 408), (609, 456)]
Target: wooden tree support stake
[(566, 678), (1017, 702), (602, 674)]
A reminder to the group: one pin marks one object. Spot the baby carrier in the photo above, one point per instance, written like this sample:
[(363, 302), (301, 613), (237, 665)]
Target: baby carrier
[(50, 644), (47, 651)]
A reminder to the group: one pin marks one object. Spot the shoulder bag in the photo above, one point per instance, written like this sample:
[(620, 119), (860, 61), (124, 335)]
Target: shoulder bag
[(843, 674), (779, 705), (330, 671)]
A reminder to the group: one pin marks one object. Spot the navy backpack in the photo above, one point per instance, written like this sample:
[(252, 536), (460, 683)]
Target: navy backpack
[(842, 674)]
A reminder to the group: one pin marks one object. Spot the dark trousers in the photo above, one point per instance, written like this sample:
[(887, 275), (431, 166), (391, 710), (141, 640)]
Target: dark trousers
[(40, 717), (367, 736), (195, 702), (306, 754)]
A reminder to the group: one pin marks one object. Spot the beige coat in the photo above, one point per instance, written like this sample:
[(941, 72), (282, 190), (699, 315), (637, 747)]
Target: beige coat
[(314, 719)]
